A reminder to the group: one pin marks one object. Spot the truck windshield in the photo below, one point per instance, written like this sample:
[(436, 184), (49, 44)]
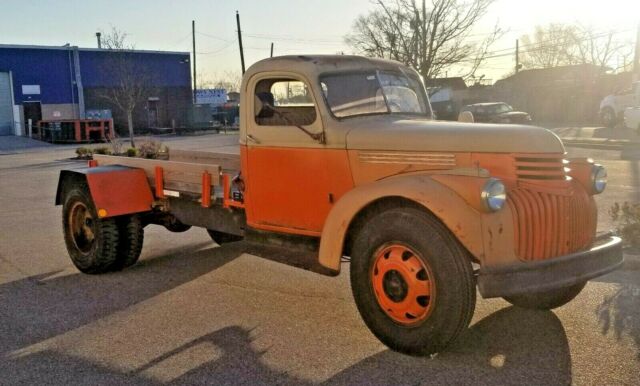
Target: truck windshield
[(375, 92)]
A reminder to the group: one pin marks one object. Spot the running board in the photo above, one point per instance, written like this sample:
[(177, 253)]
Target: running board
[(298, 258)]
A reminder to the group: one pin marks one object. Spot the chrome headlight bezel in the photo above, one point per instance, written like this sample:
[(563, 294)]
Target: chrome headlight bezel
[(493, 195), (598, 178)]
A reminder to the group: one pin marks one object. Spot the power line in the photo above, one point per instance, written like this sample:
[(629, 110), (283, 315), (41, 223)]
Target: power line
[(229, 44)]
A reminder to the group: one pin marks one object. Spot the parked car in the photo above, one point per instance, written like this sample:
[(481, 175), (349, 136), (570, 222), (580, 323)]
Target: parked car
[(496, 112), (612, 107), (632, 118)]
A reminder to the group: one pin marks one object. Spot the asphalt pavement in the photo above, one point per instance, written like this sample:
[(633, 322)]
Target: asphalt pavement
[(194, 313)]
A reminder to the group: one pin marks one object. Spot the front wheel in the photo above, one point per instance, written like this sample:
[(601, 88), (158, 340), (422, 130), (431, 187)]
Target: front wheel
[(412, 281), (547, 300)]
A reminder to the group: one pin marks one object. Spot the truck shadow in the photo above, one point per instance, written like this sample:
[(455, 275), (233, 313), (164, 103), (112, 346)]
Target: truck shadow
[(42, 306), (620, 314), (511, 346)]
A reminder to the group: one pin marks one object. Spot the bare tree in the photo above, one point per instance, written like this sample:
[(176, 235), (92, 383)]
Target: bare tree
[(599, 49), (228, 80), (560, 44), (430, 36), (131, 80), (549, 46)]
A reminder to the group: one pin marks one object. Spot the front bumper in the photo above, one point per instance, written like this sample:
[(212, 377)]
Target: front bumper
[(545, 275)]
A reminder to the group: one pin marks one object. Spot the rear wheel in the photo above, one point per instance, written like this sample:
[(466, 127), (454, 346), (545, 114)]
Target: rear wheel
[(221, 238), (547, 300), (92, 242), (412, 281), (131, 238)]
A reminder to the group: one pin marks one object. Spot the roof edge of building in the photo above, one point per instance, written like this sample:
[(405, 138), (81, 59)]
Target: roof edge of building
[(42, 47)]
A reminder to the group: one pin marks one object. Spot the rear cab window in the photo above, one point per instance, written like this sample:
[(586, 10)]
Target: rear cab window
[(284, 102)]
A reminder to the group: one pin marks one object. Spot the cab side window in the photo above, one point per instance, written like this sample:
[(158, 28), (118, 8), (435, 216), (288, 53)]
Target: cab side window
[(284, 102)]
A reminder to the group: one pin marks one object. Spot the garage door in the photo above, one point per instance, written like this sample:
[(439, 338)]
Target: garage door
[(6, 109)]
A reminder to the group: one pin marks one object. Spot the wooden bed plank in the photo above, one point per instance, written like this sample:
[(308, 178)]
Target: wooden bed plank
[(226, 161), (178, 172)]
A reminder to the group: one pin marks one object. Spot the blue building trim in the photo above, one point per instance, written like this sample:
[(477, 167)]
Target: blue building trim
[(52, 69)]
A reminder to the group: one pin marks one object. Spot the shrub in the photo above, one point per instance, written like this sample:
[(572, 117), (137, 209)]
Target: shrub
[(149, 149), (132, 152), (102, 150), (83, 152), (627, 219), (116, 145)]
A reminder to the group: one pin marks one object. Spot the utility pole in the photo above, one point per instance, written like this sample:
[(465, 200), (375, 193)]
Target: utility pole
[(636, 58), (240, 41), (271, 50), (98, 36), (517, 55), (193, 36)]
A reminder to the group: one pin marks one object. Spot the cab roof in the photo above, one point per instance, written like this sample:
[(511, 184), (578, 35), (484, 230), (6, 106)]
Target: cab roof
[(313, 65)]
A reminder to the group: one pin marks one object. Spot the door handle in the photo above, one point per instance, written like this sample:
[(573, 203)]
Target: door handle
[(252, 138)]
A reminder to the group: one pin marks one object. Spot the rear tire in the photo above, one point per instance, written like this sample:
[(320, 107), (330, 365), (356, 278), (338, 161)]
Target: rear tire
[(131, 234), (221, 238), (92, 243), (547, 300), (423, 244)]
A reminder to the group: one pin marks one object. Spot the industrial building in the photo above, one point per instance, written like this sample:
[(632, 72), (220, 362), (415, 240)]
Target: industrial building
[(67, 82)]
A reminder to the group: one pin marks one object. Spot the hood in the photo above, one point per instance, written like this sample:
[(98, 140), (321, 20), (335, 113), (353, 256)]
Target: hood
[(394, 133)]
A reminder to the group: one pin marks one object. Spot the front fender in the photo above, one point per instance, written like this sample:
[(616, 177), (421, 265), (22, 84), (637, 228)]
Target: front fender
[(458, 215)]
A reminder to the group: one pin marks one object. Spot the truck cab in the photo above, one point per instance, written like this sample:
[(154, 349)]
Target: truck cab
[(339, 157)]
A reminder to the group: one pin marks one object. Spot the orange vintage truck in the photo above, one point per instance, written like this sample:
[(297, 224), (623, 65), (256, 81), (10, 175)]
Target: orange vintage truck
[(339, 156)]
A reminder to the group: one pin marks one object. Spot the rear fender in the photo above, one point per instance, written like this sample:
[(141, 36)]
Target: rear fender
[(116, 190)]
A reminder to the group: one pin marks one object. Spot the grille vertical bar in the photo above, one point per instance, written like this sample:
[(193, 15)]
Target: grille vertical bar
[(548, 225)]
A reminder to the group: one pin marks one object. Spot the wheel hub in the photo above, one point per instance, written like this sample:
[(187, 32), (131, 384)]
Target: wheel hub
[(82, 227), (395, 287), (403, 284)]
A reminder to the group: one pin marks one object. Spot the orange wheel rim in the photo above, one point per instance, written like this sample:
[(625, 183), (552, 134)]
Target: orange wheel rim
[(403, 284)]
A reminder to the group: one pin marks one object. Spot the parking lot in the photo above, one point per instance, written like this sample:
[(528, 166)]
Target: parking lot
[(193, 312)]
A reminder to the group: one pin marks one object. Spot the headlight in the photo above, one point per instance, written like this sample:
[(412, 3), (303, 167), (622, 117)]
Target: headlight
[(494, 195), (599, 178)]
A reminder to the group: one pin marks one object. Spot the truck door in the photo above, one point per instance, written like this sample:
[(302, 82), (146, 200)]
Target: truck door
[(291, 178)]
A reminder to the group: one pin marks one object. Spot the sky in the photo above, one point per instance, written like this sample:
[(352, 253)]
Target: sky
[(295, 27)]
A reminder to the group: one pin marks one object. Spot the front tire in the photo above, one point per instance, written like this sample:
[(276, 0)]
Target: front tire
[(412, 281), (92, 242), (547, 300)]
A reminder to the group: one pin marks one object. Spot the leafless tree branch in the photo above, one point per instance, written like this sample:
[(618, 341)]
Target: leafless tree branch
[(431, 36)]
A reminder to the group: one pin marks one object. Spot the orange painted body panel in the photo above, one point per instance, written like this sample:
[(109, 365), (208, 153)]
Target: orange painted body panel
[(293, 189), (119, 190), (368, 166)]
